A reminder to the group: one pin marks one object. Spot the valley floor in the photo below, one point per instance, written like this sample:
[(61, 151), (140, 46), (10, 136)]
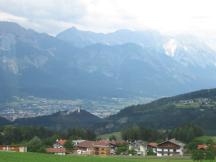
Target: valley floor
[(34, 157)]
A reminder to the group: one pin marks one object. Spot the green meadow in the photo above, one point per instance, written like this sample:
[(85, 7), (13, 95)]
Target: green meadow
[(35, 157)]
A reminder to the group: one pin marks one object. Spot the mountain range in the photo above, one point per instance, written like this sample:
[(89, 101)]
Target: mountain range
[(83, 64)]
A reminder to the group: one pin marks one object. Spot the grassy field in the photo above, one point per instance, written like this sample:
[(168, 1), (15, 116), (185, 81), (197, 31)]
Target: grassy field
[(34, 157)]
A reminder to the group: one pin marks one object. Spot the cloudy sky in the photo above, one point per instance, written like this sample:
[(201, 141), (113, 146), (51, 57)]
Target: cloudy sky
[(168, 16)]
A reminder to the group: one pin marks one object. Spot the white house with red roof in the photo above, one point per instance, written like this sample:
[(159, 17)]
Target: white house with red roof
[(170, 147), (152, 146), (85, 148), (59, 143), (58, 147)]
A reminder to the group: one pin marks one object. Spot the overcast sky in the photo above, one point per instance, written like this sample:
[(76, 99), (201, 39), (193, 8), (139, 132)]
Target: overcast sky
[(168, 16)]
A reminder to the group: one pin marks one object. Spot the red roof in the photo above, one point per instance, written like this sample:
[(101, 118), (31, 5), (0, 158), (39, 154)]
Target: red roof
[(202, 146), (61, 141), (103, 143), (56, 150), (152, 144), (107, 142), (86, 144)]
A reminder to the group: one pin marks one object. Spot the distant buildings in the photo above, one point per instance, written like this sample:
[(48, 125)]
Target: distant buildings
[(170, 147), (13, 148), (102, 148), (84, 147), (202, 147), (205, 146)]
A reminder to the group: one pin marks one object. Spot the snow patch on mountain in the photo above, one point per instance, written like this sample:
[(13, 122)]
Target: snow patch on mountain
[(170, 47), (11, 65)]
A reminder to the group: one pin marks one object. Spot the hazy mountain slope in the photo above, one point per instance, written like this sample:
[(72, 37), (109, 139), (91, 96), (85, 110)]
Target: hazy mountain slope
[(24, 56), (133, 64), (193, 58), (63, 120), (85, 38), (186, 49), (4, 121)]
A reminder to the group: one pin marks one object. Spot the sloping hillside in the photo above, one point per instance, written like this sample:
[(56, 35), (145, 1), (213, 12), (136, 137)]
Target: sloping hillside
[(63, 120), (4, 121), (197, 107)]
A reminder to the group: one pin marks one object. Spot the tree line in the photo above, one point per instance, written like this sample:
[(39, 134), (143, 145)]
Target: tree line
[(184, 133), (37, 139)]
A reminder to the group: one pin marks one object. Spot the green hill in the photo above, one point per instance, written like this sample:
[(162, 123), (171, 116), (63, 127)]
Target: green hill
[(198, 108), (62, 120)]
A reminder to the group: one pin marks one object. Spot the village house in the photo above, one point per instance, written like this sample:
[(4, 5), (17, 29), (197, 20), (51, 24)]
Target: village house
[(85, 148), (56, 151), (58, 148), (13, 148), (170, 147), (101, 148), (59, 143), (106, 147), (76, 142), (139, 146), (152, 147), (202, 147)]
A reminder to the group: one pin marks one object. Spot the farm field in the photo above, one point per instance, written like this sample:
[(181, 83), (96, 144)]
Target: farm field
[(35, 157)]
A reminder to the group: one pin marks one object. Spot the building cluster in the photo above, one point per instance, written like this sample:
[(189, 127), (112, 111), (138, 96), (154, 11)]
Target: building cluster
[(13, 148), (85, 147), (170, 147), (58, 148)]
